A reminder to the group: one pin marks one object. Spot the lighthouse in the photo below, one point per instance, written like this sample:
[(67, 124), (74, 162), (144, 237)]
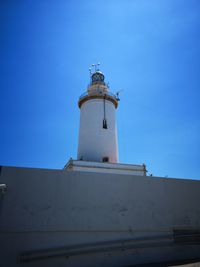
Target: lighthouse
[(98, 127), (97, 142)]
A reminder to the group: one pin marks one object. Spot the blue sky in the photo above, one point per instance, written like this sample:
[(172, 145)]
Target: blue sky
[(149, 49)]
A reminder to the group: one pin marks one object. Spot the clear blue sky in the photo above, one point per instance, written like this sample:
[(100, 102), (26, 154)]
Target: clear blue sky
[(148, 48)]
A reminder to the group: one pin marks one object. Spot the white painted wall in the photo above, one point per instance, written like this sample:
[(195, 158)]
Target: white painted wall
[(94, 141)]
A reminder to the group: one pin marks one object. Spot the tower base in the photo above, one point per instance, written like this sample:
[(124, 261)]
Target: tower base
[(101, 167)]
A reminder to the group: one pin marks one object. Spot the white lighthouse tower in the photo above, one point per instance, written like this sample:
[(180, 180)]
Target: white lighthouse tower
[(97, 144), (98, 129)]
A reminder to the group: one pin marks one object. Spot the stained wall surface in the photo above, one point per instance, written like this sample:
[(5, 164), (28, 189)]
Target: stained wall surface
[(47, 209)]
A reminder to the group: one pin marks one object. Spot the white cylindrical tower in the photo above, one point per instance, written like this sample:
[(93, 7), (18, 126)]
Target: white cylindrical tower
[(98, 129)]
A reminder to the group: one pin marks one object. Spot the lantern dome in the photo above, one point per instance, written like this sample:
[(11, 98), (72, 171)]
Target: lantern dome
[(98, 78)]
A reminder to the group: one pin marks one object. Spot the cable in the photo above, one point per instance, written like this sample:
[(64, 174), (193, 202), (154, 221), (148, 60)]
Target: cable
[(104, 113)]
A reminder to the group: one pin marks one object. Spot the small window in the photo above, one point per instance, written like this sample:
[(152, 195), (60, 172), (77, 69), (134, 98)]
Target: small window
[(105, 159)]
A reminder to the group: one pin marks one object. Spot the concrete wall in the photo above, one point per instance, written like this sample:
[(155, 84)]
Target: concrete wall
[(47, 209)]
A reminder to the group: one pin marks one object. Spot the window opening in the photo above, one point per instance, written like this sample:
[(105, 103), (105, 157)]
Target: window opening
[(105, 159)]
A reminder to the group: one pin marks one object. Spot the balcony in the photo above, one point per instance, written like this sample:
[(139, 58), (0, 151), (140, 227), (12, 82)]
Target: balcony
[(98, 95)]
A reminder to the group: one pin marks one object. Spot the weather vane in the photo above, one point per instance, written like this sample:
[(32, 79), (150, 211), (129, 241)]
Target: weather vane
[(96, 66)]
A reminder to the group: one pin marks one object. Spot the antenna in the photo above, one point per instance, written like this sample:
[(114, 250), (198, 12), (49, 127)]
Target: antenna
[(96, 66), (90, 70), (117, 94)]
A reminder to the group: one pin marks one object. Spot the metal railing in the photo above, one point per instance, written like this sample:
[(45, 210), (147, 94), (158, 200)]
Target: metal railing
[(85, 94)]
